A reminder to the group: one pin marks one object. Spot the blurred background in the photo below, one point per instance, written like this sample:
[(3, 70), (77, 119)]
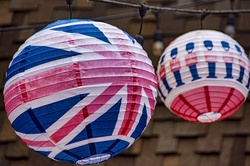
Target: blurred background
[(168, 140)]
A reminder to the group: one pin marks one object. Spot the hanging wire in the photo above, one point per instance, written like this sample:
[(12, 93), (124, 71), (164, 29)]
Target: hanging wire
[(195, 3), (203, 16), (168, 9), (133, 14), (69, 2), (117, 16), (142, 11), (22, 27), (103, 18)]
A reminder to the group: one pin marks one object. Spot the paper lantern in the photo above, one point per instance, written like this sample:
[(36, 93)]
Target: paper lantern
[(203, 76), (80, 91)]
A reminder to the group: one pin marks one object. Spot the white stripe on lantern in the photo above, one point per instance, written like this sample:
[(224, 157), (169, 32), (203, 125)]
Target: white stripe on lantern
[(59, 96)]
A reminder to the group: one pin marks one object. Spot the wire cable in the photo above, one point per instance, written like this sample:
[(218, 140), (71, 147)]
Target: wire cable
[(134, 14), (69, 2), (168, 9)]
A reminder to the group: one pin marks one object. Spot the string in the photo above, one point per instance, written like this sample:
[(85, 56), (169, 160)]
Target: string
[(204, 14), (142, 12)]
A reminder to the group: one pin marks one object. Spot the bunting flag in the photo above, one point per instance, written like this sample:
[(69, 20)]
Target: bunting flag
[(203, 76), (80, 91)]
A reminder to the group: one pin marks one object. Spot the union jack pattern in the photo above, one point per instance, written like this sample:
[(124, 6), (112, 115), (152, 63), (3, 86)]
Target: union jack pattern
[(80, 88)]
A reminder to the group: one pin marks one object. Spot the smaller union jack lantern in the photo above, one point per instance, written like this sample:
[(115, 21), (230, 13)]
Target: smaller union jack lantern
[(80, 91), (203, 76)]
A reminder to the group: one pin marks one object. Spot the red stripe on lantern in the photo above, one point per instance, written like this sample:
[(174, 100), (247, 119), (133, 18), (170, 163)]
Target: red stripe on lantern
[(81, 115), (131, 114), (35, 143), (66, 77), (225, 100)]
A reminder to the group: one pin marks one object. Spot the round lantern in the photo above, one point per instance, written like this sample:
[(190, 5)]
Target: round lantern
[(203, 76), (80, 91)]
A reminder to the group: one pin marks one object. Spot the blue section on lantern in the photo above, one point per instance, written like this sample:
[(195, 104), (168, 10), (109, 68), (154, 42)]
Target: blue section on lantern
[(248, 83), (117, 147), (32, 56), (241, 52), (162, 59), (225, 45), (161, 94), (211, 65), (84, 29), (192, 68), (190, 47), (208, 44), (112, 147), (229, 66), (194, 72), (174, 53), (130, 37), (69, 157), (177, 74), (229, 70), (242, 69), (37, 120), (102, 126), (45, 153), (61, 22), (165, 82), (238, 49), (241, 75), (211, 70), (142, 124)]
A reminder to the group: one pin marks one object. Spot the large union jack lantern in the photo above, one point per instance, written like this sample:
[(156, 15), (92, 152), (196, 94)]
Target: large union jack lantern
[(80, 91), (203, 76)]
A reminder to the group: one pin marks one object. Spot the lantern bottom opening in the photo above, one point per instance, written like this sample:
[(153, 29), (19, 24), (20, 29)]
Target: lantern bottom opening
[(209, 117), (94, 159)]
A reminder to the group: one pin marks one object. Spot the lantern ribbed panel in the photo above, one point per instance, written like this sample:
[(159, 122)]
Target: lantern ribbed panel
[(80, 91), (203, 76)]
